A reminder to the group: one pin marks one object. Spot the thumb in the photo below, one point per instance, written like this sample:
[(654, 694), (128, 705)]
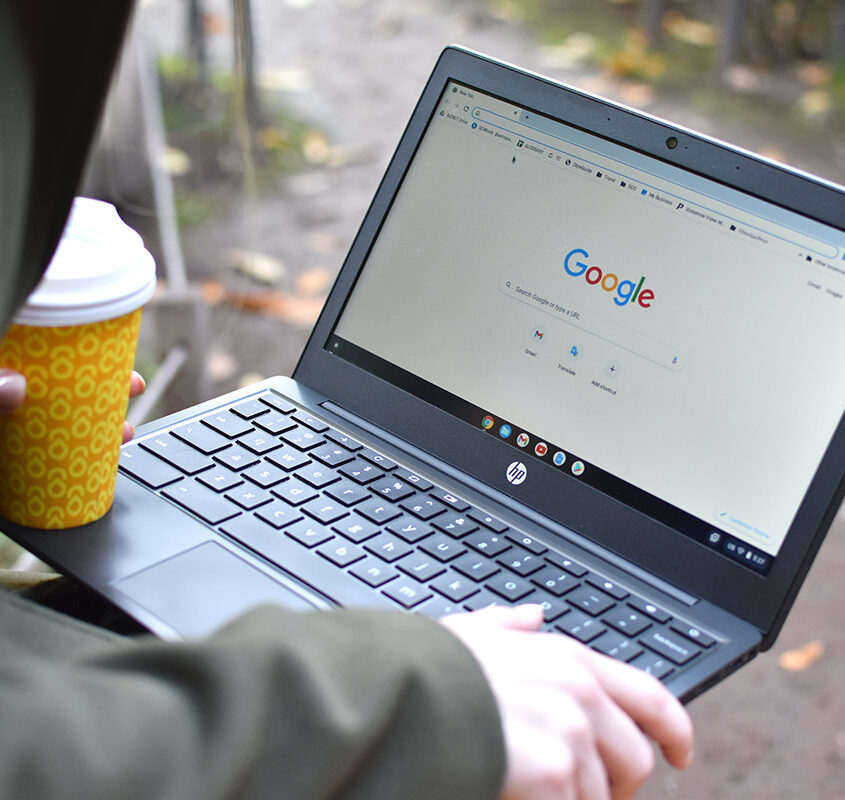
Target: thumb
[(12, 390), (526, 617)]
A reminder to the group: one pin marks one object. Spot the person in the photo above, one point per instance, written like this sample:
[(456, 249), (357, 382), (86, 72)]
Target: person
[(343, 704)]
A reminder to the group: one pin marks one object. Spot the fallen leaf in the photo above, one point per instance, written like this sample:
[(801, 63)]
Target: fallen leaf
[(258, 266), (299, 311), (802, 657), (313, 282)]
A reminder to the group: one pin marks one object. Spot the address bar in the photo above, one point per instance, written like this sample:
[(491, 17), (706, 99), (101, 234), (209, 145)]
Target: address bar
[(595, 324)]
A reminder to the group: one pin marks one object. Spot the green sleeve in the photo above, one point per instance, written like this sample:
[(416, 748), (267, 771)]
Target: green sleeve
[(348, 705)]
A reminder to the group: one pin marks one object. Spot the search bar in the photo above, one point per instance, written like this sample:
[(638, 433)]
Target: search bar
[(595, 324)]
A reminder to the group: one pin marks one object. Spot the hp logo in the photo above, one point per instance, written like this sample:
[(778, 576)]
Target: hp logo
[(516, 473)]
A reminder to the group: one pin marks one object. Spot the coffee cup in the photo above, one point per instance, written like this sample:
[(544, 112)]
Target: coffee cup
[(74, 340)]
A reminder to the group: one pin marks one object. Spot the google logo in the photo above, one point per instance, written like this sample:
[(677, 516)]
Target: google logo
[(626, 291)]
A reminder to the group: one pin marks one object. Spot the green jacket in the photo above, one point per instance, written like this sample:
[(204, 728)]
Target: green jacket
[(346, 704)]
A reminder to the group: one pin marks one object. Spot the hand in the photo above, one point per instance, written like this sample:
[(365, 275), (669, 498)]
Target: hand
[(13, 392), (575, 722)]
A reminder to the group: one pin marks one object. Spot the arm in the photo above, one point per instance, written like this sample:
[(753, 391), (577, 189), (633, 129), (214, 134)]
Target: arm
[(352, 705)]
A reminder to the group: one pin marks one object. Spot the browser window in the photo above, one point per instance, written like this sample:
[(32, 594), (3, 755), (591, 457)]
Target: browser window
[(632, 325)]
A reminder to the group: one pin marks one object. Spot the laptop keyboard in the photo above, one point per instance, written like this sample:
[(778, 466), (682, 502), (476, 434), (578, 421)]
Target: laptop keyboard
[(349, 521)]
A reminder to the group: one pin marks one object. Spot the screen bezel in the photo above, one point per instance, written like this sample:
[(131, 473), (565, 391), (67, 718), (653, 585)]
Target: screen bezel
[(763, 601)]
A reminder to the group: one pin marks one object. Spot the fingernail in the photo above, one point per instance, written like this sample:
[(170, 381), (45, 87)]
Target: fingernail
[(12, 390)]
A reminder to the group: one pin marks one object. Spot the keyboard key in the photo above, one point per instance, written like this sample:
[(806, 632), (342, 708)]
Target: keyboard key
[(456, 525), (442, 547), (317, 475), (616, 646), (308, 533), (438, 607), (410, 529), (378, 510), (476, 567), (302, 438), (611, 588), (487, 520), (348, 493), (693, 633), (259, 442), (553, 607), (331, 455), (455, 587), (484, 599), (343, 440), (288, 459), (361, 472), (325, 510), (490, 544), (275, 423), (653, 665), (667, 644), (572, 567), (527, 542), (341, 553), (250, 409), (248, 496), (355, 528), (421, 483), (509, 587), (374, 572), (649, 609), (421, 567), (236, 457), (147, 468), (227, 423), (274, 401), (521, 562), (590, 600), (450, 500), (580, 626), (407, 592), (279, 514), (201, 437), (388, 547), (627, 621), (555, 580), (265, 475), (312, 422), (180, 455), (423, 506), (378, 459), (392, 488), (294, 491), (203, 502)]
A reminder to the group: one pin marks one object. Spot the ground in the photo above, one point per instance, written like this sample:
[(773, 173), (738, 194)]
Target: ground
[(354, 69)]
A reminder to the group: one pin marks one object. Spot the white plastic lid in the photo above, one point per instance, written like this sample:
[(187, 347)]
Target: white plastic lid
[(99, 271)]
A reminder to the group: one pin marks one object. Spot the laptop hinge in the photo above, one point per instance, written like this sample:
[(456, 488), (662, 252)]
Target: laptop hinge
[(601, 552)]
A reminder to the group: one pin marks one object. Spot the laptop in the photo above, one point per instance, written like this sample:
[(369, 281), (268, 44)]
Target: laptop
[(576, 356)]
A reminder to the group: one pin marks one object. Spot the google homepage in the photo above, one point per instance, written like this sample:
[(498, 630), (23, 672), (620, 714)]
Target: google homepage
[(674, 336)]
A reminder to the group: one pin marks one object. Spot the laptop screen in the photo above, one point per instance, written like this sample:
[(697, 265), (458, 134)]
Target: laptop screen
[(670, 341)]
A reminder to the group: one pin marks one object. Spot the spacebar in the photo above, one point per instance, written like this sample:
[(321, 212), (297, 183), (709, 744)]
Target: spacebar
[(303, 564)]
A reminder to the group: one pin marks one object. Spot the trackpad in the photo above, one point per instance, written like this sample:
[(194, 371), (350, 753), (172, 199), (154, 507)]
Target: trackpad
[(201, 589)]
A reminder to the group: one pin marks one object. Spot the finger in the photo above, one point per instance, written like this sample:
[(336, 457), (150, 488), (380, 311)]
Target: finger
[(516, 618), (12, 390), (128, 432), (650, 705), (137, 384)]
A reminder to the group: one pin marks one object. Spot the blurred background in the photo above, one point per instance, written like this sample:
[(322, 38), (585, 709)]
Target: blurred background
[(245, 138)]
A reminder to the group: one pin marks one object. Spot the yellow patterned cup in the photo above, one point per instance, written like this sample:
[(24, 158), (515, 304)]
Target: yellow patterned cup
[(75, 342)]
